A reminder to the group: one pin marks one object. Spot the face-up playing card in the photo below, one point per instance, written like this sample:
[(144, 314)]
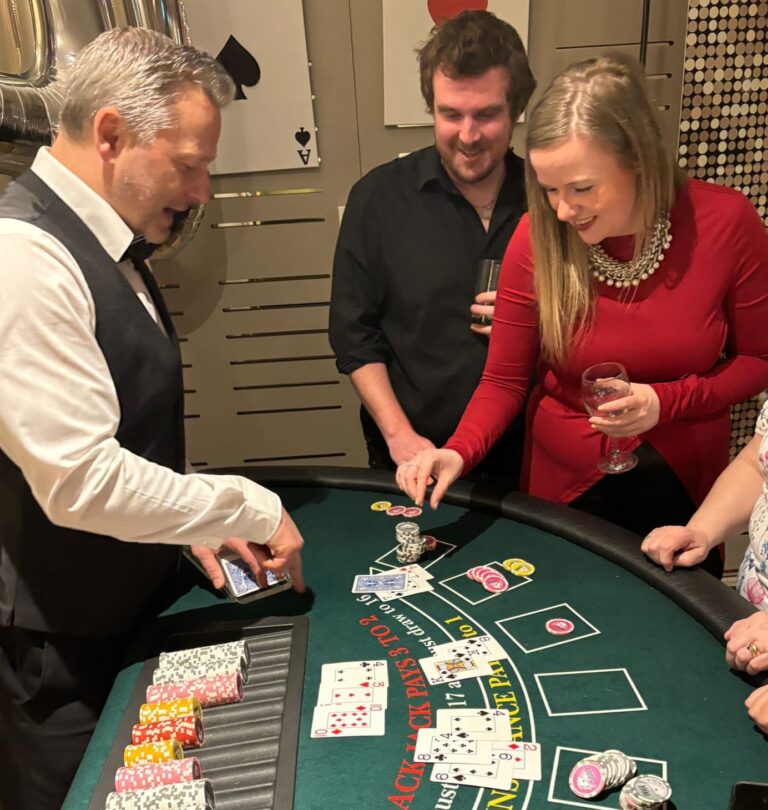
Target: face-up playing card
[(479, 647), (525, 758), (337, 721), (371, 583), (498, 774), (448, 670), (432, 746), (479, 724), (413, 586), (355, 673), (415, 570), (331, 694)]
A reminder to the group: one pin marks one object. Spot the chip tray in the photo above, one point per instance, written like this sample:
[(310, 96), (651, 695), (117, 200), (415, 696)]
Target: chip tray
[(249, 753)]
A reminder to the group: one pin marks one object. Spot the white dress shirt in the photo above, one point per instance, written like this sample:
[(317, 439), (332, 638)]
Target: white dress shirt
[(59, 411)]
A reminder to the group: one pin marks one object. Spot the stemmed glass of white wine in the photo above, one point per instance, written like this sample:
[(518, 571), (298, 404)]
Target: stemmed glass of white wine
[(602, 383)]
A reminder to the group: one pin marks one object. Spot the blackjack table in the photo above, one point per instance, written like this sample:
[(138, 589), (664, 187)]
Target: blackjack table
[(641, 669)]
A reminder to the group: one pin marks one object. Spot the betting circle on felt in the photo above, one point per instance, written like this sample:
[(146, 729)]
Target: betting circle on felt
[(604, 685)]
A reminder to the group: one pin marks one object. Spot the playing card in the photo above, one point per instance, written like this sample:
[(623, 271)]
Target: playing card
[(433, 746), (448, 670), (416, 570), (524, 756), (480, 724), (355, 673), (498, 774), (370, 583), (332, 694), (336, 721), (413, 586), (240, 578), (479, 647)]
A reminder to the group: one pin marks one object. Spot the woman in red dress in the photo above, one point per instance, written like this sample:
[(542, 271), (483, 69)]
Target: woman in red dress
[(621, 258)]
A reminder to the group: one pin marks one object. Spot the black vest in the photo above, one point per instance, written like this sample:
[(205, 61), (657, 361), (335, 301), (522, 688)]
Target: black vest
[(66, 581)]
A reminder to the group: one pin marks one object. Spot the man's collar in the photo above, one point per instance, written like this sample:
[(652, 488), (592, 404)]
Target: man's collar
[(97, 214), (430, 171)]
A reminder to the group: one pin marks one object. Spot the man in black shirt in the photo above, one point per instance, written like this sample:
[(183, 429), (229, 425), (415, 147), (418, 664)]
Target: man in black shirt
[(413, 233)]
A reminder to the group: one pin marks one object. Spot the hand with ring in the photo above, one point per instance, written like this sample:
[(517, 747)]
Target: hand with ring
[(747, 644), (441, 466)]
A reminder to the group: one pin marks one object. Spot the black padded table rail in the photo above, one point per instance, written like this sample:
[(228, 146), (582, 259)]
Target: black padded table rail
[(249, 753), (643, 670), (691, 589)]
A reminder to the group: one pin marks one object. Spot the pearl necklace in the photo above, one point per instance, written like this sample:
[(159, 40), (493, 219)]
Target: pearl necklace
[(625, 274)]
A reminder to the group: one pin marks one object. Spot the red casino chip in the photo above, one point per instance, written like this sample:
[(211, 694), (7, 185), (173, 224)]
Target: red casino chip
[(560, 627), (187, 730), (430, 543)]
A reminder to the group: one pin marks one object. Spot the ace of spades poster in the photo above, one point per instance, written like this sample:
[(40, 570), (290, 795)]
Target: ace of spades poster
[(407, 24), (270, 126)]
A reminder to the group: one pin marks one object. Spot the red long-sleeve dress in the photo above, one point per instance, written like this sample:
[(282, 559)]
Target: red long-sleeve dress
[(697, 331)]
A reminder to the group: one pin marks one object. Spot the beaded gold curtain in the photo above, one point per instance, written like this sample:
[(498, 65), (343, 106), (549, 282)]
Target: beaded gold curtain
[(723, 132)]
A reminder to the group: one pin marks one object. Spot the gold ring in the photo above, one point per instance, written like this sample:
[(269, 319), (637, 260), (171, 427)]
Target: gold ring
[(753, 649)]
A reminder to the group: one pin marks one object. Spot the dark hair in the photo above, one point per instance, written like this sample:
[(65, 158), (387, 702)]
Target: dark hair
[(470, 44)]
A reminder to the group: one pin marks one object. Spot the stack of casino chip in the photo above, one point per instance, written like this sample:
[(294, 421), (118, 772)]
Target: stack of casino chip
[(166, 710), (492, 580), (646, 792), (231, 658), (142, 777), (211, 652), (592, 775), (188, 730), (195, 795), (152, 752), (410, 545), (217, 690)]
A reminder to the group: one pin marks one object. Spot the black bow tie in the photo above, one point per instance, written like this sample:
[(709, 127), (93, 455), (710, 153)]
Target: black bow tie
[(139, 250)]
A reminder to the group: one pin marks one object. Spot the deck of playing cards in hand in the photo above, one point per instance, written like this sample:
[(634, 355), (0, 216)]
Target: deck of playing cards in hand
[(395, 584), (352, 700), (475, 747)]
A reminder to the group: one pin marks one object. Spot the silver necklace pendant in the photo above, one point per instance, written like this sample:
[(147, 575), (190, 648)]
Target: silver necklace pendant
[(614, 273)]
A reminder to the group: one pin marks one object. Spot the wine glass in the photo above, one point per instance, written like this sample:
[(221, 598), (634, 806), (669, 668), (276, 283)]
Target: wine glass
[(601, 383)]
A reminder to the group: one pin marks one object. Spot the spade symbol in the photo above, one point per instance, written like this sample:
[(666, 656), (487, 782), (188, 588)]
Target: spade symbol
[(302, 136), (240, 65)]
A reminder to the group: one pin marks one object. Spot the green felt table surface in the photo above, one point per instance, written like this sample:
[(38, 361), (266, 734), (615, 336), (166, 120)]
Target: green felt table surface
[(638, 673)]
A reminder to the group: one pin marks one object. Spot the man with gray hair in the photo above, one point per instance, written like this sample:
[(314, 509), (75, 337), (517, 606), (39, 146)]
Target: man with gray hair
[(96, 503)]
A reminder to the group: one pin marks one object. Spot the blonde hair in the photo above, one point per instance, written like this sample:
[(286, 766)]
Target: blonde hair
[(140, 72), (603, 99)]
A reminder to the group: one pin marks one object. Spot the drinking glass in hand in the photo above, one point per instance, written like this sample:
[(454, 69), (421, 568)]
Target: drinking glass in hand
[(487, 281), (602, 383)]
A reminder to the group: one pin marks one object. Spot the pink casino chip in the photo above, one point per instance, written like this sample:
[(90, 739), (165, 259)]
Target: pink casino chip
[(495, 582), (412, 512), (560, 627), (396, 511), (586, 780)]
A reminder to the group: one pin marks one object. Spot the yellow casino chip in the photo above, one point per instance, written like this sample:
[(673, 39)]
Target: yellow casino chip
[(152, 753), (380, 506), (166, 710), (518, 567)]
